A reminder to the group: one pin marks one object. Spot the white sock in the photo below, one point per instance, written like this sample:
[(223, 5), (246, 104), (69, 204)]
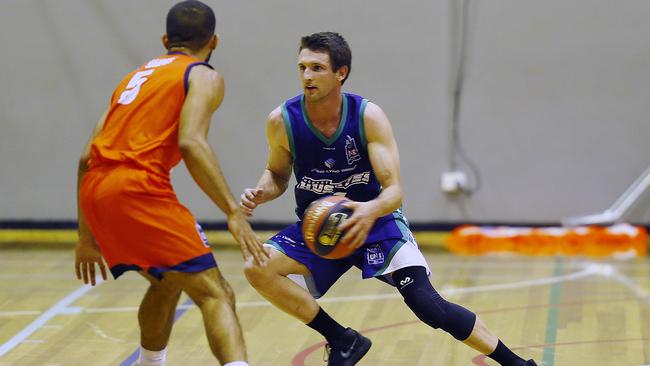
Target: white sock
[(152, 358), (237, 363)]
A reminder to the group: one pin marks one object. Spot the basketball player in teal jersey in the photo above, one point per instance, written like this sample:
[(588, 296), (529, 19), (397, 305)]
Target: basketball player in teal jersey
[(339, 143)]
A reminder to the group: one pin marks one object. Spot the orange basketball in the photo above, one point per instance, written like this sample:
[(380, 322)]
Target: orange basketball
[(319, 227)]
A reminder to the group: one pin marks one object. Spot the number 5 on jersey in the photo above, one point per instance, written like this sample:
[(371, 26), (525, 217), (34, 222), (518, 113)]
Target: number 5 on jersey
[(133, 87)]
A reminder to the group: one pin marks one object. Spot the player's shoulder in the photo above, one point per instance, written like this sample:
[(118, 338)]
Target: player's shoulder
[(275, 119), (376, 123), (373, 114), (373, 110), (205, 75), (275, 128)]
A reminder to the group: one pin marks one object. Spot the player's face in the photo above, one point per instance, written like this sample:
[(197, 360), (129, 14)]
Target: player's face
[(316, 74)]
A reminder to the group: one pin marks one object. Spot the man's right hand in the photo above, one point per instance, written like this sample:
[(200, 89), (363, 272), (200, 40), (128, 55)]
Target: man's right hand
[(250, 199), (249, 243)]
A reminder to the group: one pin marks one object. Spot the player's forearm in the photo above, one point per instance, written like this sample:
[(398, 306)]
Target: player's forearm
[(389, 200), (206, 171), (272, 184)]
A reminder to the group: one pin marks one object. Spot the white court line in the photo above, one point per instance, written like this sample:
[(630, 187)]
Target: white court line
[(629, 282), (126, 309), (103, 334), (62, 306), (45, 317), (123, 309), (590, 269), (587, 271), (19, 312)]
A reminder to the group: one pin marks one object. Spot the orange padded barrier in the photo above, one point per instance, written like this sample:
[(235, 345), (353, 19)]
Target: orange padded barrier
[(617, 240)]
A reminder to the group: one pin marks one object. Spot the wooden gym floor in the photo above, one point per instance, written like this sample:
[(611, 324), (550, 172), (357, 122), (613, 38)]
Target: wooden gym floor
[(559, 311)]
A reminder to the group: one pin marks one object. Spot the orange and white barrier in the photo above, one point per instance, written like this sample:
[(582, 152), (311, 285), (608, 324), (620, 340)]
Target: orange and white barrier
[(618, 240)]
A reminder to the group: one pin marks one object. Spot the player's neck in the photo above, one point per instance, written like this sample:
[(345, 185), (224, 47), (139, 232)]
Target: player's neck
[(325, 111), (201, 55)]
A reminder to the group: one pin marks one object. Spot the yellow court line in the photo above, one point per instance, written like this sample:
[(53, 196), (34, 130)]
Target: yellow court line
[(215, 237)]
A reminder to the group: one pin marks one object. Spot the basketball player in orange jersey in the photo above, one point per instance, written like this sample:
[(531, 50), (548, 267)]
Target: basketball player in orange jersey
[(128, 211), (340, 143)]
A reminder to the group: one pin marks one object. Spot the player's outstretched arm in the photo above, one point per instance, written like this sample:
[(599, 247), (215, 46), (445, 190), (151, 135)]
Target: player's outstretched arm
[(384, 157), (87, 252), (275, 178), (204, 95)]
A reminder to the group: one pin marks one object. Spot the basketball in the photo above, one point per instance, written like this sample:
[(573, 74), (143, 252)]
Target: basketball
[(319, 227)]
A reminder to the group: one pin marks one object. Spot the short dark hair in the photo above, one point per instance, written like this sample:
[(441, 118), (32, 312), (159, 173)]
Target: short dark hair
[(332, 43), (190, 24)]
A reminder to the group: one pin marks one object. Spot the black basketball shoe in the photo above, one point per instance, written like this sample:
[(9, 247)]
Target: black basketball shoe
[(530, 363), (351, 354)]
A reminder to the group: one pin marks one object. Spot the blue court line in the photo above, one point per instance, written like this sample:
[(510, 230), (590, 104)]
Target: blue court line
[(548, 358), (134, 356), (45, 317)]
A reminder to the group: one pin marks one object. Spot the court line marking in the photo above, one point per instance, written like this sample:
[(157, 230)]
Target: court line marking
[(98, 331), (45, 317), (20, 312), (480, 359), (587, 271), (553, 312), (631, 284), (62, 306), (447, 290)]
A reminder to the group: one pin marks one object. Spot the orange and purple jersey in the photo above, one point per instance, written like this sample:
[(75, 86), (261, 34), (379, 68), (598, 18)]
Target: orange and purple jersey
[(141, 127), (126, 195)]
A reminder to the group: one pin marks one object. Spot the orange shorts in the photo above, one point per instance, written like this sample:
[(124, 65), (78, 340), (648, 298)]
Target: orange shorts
[(139, 223)]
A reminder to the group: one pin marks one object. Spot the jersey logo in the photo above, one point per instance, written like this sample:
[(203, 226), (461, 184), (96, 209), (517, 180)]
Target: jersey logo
[(405, 282), (323, 186), (374, 255), (329, 163), (351, 151), (204, 238)]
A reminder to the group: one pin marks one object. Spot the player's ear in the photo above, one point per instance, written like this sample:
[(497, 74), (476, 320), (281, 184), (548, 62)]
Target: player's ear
[(165, 41), (214, 41), (342, 72)]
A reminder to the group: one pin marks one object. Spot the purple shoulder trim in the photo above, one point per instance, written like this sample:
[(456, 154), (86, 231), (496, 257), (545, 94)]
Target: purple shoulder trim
[(186, 81)]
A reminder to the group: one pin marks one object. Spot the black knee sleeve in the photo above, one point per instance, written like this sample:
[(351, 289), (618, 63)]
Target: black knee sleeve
[(413, 283)]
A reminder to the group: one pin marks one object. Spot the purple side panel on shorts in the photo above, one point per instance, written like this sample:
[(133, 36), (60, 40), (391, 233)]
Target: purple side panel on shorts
[(197, 264), (119, 269)]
